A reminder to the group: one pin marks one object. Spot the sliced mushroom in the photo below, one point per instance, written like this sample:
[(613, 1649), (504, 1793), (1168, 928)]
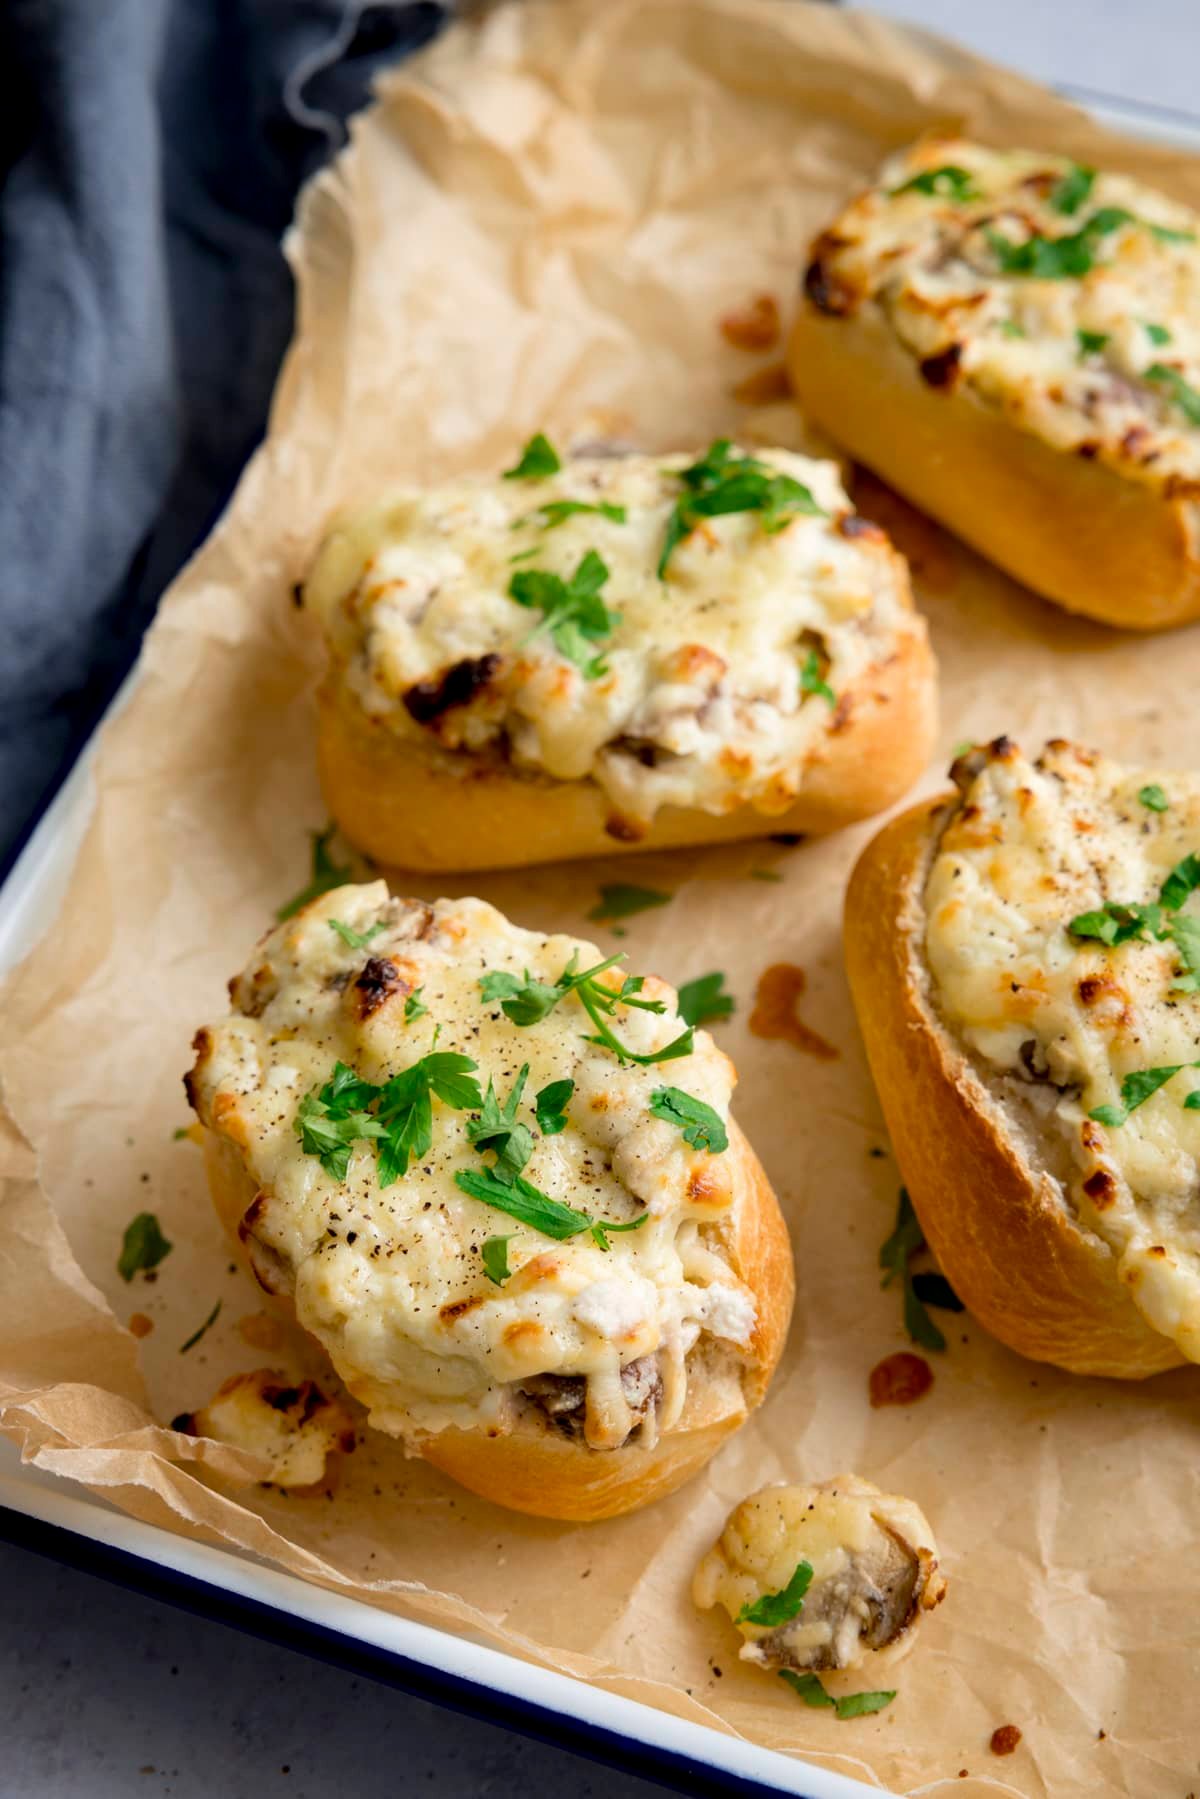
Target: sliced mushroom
[(873, 1564)]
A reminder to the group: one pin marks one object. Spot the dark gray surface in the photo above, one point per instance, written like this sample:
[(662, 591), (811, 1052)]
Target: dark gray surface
[(106, 1694)]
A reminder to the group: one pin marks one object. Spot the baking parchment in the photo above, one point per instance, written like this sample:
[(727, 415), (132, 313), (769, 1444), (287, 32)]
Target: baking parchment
[(539, 225)]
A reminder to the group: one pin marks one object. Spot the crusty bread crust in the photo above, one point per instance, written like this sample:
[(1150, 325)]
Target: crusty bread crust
[(999, 1224), (535, 1469), (1071, 528), (414, 805)]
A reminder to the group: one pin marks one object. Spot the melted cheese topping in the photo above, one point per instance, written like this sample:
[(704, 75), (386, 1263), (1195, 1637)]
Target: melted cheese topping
[(390, 1279), (1015, 341), (1034, 845), (702, 703), (853, 1537), (294, 1428)]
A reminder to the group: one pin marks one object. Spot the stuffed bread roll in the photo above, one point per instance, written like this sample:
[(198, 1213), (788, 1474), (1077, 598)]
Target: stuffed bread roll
[(1013, 341), (1025, 961), (497, 1180), (619, 653)]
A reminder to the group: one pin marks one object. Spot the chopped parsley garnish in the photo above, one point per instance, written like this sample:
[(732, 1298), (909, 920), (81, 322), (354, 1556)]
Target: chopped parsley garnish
[(1091, 342), (414, 1007), (355, 939), (949, 182), (326, 874), (1166, 234), (494, 1256), (526, 1203), (572, 611), (1072, 189), (556, 512), (812, 681), (620, 900), (498, 1128), (143, 1246), (1136, 1089), (704, 999), (526, 1001), (538, 459), (1125, 921), (1183, 879), (1011, 328), (550, 1107), (1118, 922), (765, 874), (197, 1334), (933, 1289), (773, 1609), (851, 1705), (722, 482), (396, 1116), (906, 1239), (1182, 393), (1057, 258), (1153, 798), (1158, 334), (701, 1126)]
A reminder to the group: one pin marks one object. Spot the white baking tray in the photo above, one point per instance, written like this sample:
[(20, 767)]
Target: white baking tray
[(56, 1518)]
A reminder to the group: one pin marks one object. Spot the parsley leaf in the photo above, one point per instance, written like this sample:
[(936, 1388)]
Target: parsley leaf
[(620, 900), (808, 1687), (331, 1136), (1136, 1089), (933, 1289), (700, 1125), (906, 1239), (949, 182), (811, 680), (1072, 189), (1183, 879), (1091, 342), (861, 1705), (529, 1205), (196, 1335), (555, 512), (1118, 922), (497, 1128), (1166, 234), (703, 999), (722, 482), (1184, 931), (413, 1007), (528, 1001), (572, 611), (326, 874), (1057, 258), (550, 1107), (1153, 797), (494, 1256), (355, 939), (773, 1609), (1011, 328), (1158, 334), (538, 459), (143, 1246), (1186, 397)]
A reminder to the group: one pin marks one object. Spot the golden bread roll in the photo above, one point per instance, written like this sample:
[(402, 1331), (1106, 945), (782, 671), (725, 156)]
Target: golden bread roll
[(622, 652), (496, 1179), (1013, 342), (1024, 956)]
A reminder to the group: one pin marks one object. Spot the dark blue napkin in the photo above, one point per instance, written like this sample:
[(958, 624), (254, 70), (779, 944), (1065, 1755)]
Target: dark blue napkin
[(150, 152)]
